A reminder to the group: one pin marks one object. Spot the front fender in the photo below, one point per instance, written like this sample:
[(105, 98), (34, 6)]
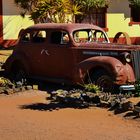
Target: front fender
[(120, 72)]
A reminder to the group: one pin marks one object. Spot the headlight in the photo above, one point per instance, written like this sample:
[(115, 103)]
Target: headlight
[(126, 56)]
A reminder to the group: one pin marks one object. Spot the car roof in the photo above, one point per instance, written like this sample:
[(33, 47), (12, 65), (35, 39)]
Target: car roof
[(64, 26)]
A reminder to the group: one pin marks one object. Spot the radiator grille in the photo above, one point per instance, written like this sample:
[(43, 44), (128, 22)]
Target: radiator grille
[(136, 63)]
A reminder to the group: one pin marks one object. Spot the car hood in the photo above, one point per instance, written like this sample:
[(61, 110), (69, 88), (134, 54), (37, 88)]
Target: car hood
[(107, 46)]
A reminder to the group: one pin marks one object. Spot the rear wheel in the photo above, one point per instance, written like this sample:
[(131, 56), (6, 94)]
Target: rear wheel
[(19, 74)]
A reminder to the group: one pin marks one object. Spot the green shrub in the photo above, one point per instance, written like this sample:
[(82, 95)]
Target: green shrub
[(91, 88), (135, 3), (137, 88)]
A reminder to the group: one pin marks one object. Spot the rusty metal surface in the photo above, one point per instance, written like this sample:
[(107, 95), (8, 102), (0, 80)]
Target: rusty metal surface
[(136, 63), (71, 61), (126, 36), (65, 26)]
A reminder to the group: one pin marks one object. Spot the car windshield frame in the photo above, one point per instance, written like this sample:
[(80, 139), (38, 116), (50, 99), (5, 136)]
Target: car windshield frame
[(89, 36)]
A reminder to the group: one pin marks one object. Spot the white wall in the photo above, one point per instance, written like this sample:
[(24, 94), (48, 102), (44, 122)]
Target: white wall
[(12, 21), (118, 18)]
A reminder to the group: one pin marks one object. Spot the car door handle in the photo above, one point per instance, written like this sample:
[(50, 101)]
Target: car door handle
[(44, 51)]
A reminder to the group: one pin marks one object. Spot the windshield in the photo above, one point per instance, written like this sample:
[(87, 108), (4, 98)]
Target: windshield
[(89, 35)]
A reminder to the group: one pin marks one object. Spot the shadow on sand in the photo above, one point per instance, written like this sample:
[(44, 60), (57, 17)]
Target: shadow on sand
[(132, 114), (53, 106)]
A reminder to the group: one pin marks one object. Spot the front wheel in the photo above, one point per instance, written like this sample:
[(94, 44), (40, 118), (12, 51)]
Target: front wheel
[(104, 80)]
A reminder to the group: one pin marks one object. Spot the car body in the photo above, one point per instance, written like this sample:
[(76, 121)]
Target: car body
[(73, 54)]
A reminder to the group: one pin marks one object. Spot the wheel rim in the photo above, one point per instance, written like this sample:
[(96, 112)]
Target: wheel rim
[(105, 83)]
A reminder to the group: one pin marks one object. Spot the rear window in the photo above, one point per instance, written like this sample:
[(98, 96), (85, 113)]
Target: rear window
[(34, 36), (39, 36)]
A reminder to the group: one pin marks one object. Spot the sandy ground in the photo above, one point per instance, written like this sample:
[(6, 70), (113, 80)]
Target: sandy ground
[(26, 116)]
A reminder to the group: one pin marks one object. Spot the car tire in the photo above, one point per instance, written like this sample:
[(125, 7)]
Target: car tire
[(19, 75), (104, 80)]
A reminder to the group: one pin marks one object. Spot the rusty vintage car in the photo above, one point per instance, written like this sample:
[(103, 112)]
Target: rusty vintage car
[(73, 54)]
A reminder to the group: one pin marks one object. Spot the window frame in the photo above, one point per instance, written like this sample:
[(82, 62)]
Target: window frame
[(89, 36)]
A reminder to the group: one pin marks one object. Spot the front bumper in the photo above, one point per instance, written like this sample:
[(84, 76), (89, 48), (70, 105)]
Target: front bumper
[(126, 88)]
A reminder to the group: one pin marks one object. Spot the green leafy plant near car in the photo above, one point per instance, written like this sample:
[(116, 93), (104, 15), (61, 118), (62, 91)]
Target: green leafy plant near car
[(137, 87), (91, 88)]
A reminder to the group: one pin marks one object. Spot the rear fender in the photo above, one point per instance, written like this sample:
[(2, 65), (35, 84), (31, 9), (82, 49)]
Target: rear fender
[(18, 59), (120, 73)]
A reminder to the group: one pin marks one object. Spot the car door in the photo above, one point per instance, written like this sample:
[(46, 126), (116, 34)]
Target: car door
[(57, 55), (31, 45)]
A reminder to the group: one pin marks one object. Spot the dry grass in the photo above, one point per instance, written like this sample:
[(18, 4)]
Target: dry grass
[(4, 54)]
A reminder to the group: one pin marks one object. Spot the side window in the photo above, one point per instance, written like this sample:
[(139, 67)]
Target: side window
[(81, 36), (26, 37), (65, 38), (59, 37), (56, 37), (99, 36), (39, 36)]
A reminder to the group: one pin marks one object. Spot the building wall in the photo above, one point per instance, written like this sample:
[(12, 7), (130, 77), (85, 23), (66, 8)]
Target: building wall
[(1, 28), (118, 19), (12, 22)]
